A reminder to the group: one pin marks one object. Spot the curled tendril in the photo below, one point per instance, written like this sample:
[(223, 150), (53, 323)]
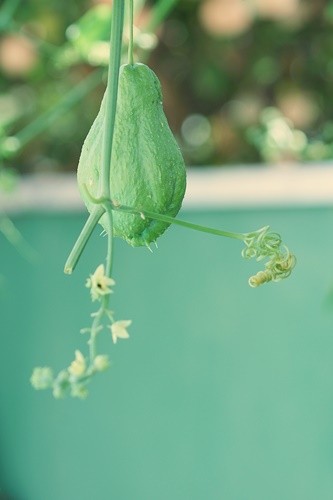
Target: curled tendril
[(261, 243), (265, 244)]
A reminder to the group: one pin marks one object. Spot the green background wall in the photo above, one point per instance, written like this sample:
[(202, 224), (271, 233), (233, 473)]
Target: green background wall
[(222, 392)]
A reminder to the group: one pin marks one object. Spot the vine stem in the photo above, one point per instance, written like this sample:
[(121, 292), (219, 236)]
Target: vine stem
[(180, 222), (112, 93), (83, 238), (93, 335), (106, 299), (131, 28), (108, 267)]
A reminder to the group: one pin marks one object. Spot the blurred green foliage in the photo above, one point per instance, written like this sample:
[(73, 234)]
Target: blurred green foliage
[(244, 81)]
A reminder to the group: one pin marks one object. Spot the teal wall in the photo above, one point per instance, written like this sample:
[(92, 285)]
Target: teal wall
[(222, 393)]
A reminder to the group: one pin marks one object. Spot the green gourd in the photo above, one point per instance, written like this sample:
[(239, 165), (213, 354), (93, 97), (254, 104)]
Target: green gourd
[(147, 170)]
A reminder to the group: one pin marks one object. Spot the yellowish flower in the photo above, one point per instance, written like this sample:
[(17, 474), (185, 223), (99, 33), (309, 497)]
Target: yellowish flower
[(99, 283), (78, 366), (119, 330)]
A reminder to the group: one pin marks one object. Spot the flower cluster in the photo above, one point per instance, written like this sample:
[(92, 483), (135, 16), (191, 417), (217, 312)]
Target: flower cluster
[(263, 244), (74, 379)]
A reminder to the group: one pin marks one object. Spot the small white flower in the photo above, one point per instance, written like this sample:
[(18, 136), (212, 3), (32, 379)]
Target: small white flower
[(119, 330), (42, 377), (79, 391), (78, 366), (99, 284)]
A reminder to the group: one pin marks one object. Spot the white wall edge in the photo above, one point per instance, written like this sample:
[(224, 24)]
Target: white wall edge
[(207, 188)]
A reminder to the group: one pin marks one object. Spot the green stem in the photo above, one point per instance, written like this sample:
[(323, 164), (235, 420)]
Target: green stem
[(83, 238), (93, 335), (13, 235), (130, 44), (108, 268), (179, 222), (106, 298), (46, 119), (112, 93), (160, 12)]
